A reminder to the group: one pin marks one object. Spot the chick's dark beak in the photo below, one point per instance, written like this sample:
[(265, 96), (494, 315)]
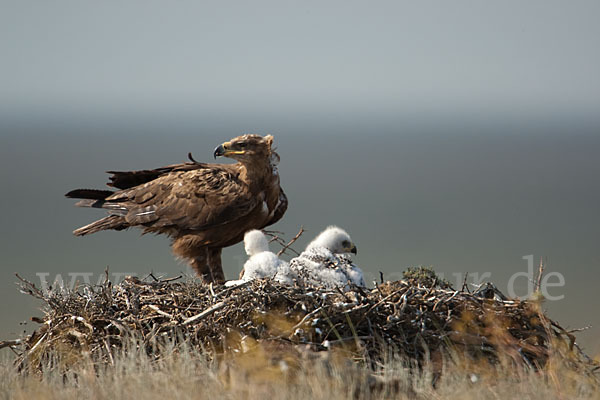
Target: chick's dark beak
[(219, 151), (353, 249)]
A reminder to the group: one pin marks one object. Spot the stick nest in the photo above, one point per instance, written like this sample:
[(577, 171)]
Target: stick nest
[(419, 318)]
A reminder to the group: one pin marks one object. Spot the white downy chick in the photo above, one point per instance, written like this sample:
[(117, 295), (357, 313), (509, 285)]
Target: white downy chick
[(326, 260), (261, 263)]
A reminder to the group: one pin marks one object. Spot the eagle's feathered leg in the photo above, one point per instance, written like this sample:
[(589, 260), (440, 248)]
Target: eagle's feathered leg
[(191, 249), (207, 264), (214, 263), (199, 264)]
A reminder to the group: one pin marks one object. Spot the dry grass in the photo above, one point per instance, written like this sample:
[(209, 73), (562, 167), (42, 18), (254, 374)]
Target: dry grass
[(263, 372)]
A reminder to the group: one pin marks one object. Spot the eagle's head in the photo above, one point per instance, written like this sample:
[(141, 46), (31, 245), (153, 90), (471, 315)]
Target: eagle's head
[(335, 240), (246, 148)]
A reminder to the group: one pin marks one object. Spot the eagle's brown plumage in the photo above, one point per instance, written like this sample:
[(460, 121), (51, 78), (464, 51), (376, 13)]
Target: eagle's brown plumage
[(202, 207)]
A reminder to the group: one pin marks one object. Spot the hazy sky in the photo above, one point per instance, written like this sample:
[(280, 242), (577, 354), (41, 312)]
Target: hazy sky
[(459, 134), (531, 55)]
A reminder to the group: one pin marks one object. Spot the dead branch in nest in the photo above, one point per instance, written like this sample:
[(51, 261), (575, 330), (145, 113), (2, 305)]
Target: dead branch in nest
[(291, 242), (204, 313), (29, 287), (538, 283), (10, 343), (276, 236)]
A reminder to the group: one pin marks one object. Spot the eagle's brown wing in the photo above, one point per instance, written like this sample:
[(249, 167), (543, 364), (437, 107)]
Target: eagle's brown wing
[(129, 179), (186, 200)]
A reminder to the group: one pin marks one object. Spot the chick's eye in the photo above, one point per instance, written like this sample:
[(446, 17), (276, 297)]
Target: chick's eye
[(346, 243), (242, 144)]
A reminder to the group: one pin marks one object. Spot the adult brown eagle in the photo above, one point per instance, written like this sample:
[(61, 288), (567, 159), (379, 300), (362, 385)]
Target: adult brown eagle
[(202, 207)]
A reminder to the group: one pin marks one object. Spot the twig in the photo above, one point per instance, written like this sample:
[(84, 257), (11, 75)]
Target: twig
[(40, 340), (151, 275), (272, 233), (171, 279), (208, 311), (538, 283), (306, 318), (275, 237), (7, 343), (232, 288), (464, 285), (352, 328), (158, 310), (585, 328), (341, 292), (33, 290), (287, 246), (331, 325), (105, 276)]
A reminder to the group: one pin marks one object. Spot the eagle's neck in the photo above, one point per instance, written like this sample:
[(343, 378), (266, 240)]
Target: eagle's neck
[(257, 174)]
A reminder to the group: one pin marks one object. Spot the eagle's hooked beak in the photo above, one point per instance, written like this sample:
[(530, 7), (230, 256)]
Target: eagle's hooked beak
[(219, 151), (353, 249), (223, 150)]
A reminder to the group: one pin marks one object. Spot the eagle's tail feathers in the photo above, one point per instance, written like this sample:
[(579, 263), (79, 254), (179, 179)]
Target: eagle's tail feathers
[(114, 208), (115, 222), (92, 194), (90, 203)]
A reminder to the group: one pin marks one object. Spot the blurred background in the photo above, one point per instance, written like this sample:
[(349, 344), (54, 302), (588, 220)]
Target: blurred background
[(462, 135)]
